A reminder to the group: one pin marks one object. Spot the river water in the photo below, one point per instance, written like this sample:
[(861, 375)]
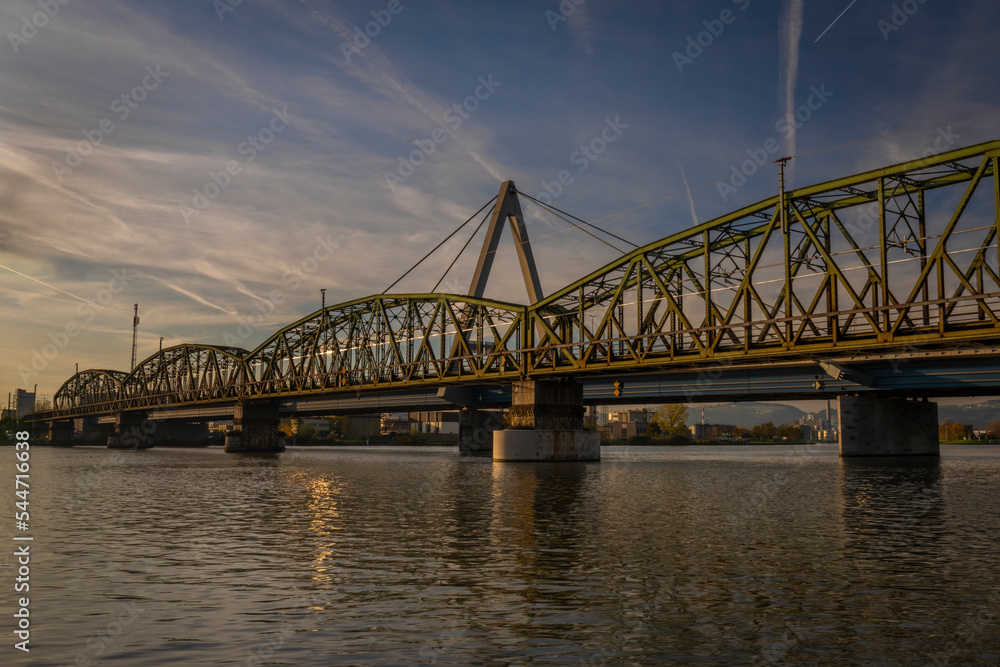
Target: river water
[(391, 556)]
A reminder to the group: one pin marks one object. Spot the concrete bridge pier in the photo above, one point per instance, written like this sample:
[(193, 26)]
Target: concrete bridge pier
[(878, 426), (182, 434), (545, 423), (89, 429), (132, 431), (255, 428), (475, 431), (61, 432)]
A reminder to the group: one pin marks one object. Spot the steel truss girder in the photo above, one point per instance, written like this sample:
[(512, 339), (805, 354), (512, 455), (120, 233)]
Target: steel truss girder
[(184, 373), (390, 340), (90, 388), (825, 284), (906, 272)]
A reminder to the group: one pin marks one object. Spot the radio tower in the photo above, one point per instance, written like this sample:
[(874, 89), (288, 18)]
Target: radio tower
[(135, 333)]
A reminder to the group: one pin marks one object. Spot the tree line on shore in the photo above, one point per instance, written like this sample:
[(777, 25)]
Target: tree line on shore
[(668, 425), (952, 431)]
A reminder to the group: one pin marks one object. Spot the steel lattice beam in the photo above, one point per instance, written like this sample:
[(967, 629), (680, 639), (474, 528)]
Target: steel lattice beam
[(869, 264)]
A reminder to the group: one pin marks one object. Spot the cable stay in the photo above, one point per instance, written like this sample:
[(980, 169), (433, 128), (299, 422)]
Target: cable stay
[(450, 266), (507, 210), (446, 239), (556, 212)]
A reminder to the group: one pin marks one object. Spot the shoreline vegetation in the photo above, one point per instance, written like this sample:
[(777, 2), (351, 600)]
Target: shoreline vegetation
[(417, 439)]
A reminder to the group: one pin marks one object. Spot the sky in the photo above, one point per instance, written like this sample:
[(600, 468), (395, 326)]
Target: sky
[(220, 162)]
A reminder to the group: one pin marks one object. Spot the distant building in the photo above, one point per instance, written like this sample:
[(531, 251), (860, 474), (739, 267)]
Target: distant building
[(435, 422), (817, 428), (628, 424), (24, 402), (317, 425), (220, 426), (716, 432), (394, 423), (643, 416), (361, 427)]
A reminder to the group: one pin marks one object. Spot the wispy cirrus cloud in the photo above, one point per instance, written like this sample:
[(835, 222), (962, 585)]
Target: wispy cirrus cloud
[(322, 176)]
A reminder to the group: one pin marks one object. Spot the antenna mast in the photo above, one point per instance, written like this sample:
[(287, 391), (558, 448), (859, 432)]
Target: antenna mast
[(135, 333), (781, 192), (788, 245)]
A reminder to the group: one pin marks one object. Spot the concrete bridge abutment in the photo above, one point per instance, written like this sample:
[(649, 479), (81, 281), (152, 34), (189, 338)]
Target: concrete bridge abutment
[(255, 428), (545, 423), (879, 426)]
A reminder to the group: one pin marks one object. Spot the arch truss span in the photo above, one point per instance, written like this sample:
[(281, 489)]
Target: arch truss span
[(184, 374), (391, 339), (96, 388), (880, 262), (895, 257)]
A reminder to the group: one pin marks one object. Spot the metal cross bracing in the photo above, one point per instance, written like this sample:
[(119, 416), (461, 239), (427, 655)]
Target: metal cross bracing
[(887, 259), (185, 374), (895, 256), (180, 374), (101, 389), (392, 339)]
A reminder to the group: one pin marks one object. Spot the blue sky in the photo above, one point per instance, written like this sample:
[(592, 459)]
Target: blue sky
[(219, 162)]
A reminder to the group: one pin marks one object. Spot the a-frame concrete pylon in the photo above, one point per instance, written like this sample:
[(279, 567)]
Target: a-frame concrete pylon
[(507, 209)]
